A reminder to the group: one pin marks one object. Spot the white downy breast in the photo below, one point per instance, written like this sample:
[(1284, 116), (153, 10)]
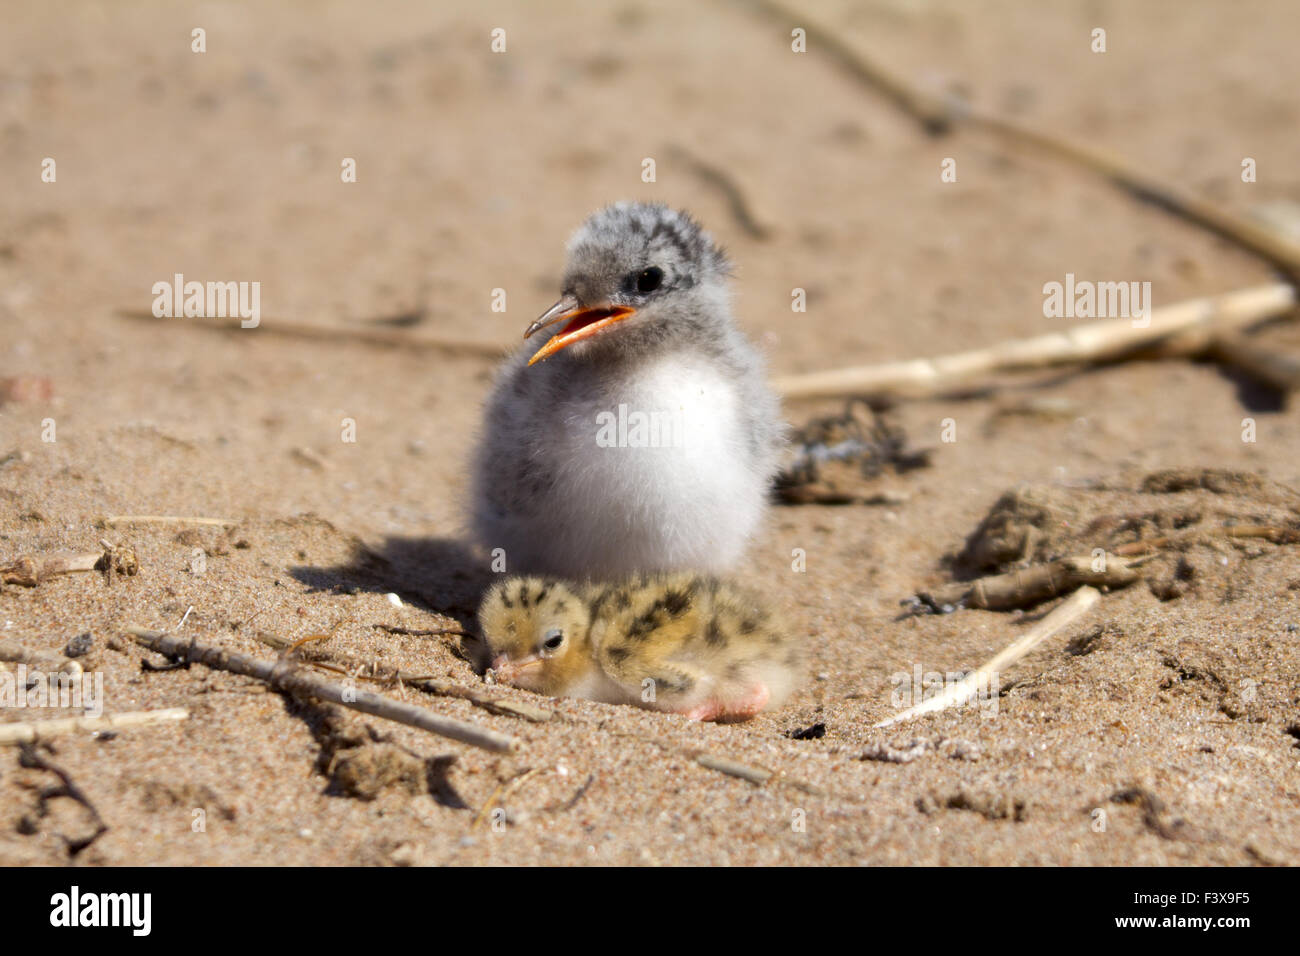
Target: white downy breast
[(660, 469)]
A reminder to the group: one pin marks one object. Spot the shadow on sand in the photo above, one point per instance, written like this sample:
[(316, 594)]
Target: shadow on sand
[(443, 575)]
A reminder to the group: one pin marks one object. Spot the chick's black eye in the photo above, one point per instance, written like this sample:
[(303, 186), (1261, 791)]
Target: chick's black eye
[(649, 280), (553, 639)]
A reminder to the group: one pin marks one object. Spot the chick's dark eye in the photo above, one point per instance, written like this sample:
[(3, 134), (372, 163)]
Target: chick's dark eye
[(553, 639), (649, 280)]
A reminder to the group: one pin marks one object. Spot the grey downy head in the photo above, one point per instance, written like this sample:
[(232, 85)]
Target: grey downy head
[(638, 275)]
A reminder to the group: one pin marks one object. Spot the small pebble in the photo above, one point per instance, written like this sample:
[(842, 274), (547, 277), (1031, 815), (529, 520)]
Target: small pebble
[(80, 645), (393, 599)]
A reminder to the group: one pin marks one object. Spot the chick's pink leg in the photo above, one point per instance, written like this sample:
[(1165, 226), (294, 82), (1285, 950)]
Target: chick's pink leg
[(742, 708)]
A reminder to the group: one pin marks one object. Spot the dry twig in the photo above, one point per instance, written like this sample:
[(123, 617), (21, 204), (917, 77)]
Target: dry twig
[(495, 705), (1271, 533), (47, 661), (168, 519), (936, 115), (968, 687), (760, 776), (940, 115), (286, 676), (501, 706), (722, 180), (27, 732), (1028, 586), (1182, 329), (422, 631), (29, 570), (389, 338), (734, 768)]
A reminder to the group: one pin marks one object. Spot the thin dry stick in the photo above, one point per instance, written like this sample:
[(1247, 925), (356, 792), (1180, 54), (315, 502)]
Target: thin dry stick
[(283, 675), (1184, 328), (169, 519), (429, 684), (1032, 585), (1264, 242), (421, 631), (940, 115), (936, 115), (31, 731), (573, 800), (31, 569), (1078, 604), (760, 776), (48, 661), (1272, 533), (722, 180), (501, 706), (734, 768), (494, 705), (389, 338)]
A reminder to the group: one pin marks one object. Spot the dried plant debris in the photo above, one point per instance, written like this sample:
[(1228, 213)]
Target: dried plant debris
[(79, 646), (27, 732), (723, 180), (992, 804), (1038, 523), (1029, 586), (978, 681), (812, 732), (84, 834), (1014, 412), (840, 459), (365, 772), (307, 650), (905, 751), (30, 570), (1183, 531), (284, 675), (938, 114)]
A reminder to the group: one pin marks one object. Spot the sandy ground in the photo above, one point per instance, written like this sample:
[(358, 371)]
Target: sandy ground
[(1161, 730)]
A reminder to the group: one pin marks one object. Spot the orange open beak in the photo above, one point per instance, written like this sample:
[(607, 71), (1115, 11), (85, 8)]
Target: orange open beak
[(583, 323)]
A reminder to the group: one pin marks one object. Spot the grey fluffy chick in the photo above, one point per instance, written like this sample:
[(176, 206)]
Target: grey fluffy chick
[(642, 435)]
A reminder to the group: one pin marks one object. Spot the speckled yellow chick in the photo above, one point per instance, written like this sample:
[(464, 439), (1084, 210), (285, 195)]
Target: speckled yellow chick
[(677, 643)]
